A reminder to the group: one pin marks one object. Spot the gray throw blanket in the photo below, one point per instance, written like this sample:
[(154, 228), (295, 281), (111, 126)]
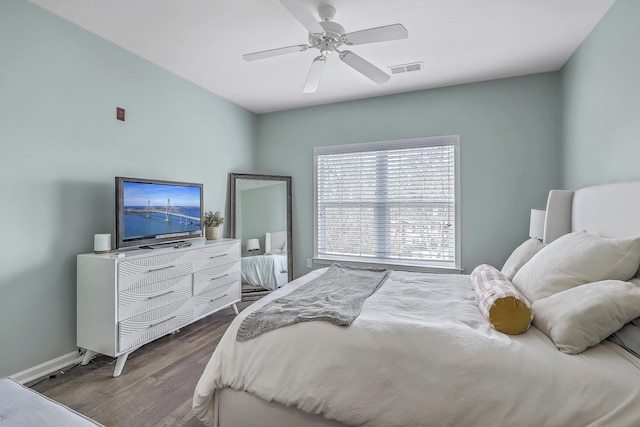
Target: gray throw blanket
[(336, 296)]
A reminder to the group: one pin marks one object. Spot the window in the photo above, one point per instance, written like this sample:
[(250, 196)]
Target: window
[(391, 202)]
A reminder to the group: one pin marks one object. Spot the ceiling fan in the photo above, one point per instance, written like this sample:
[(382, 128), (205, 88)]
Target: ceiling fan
[(327, 36)]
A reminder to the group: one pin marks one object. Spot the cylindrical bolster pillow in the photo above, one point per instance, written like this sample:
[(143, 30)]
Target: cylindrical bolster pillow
[(499, 301)]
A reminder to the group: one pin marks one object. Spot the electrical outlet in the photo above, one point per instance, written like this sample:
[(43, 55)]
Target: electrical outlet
[(309, 263)]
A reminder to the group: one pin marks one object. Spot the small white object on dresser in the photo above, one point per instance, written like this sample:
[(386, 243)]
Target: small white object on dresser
[(128, 299)]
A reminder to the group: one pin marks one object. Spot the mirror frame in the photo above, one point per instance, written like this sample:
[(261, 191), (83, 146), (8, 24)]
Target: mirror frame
[(232, 221)]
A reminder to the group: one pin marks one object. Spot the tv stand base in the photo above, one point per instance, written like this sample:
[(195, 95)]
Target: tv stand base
[(175, 245)]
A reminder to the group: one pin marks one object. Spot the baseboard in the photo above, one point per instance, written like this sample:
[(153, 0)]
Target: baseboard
[(47, 368)]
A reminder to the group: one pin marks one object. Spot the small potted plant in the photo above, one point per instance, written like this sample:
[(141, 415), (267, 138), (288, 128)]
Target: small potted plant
[(212, 223)]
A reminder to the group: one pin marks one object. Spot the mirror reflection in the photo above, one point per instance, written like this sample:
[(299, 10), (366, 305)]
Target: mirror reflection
[(261, 219)]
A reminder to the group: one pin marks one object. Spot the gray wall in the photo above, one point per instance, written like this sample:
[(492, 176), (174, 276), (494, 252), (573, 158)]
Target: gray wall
[(509, 144), (601, 94), (62, 147)]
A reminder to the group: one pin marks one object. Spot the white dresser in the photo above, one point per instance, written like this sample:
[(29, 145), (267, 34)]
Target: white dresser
[(127, 299)]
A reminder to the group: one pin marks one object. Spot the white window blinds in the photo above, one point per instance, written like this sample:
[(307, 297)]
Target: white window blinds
[(387, 202)]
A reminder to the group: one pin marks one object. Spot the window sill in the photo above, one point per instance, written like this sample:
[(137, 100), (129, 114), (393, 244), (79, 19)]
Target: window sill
[(390, 265)]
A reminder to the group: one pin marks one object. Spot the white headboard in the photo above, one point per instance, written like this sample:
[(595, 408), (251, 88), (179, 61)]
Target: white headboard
[(275, 240), (610, 210)]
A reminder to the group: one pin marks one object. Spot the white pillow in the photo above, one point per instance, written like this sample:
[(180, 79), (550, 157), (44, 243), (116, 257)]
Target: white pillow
[(520, 256), (575, 259), (582, 317)]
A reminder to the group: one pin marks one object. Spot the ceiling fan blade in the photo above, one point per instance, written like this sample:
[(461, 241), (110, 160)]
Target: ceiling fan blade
[(378, 34), (303, 15), (274, 52), (368, 69), (315, 73)]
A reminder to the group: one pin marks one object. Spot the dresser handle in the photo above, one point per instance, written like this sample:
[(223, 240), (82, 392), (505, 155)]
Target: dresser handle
[(160, 323), (160, 268), (217, 256), (219, 277), (160, 295), (217, 298)]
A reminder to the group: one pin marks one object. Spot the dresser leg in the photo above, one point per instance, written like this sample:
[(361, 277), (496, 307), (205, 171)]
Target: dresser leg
[(120, 364), (87, 357), (234, 307)]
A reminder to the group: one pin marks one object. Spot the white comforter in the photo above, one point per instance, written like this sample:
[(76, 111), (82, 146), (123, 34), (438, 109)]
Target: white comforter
[(421, 354), (266, 271)]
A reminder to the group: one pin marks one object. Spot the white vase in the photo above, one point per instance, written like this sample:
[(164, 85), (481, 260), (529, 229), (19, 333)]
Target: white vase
[(212, 233)]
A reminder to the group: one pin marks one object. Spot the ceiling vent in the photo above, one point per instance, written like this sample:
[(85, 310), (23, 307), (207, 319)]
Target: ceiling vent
[(405, 68)]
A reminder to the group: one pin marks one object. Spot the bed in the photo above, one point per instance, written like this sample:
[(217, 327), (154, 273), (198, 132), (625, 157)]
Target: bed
[(268, 271), (421, 352)]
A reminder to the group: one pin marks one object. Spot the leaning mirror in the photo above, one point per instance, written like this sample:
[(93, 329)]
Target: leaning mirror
[(261, 218)]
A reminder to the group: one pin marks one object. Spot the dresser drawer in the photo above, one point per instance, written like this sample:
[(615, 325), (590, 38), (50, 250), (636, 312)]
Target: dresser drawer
[(142, 264), (212, 300), (211, 256), (148, 326), (212, 278), (149, 296), (144, 276)]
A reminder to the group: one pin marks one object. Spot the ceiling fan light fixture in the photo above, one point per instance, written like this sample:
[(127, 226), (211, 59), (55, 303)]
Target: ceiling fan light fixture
[(326, 48)]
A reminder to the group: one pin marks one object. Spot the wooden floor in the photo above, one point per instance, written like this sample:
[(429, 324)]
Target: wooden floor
[(156, 385)]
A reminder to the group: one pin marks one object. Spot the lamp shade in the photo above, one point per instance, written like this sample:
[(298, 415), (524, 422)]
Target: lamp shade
[(102, 243), (536, 224), (253, 245)]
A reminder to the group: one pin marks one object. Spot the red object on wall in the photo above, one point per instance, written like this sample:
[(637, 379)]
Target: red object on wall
[(120, 113)]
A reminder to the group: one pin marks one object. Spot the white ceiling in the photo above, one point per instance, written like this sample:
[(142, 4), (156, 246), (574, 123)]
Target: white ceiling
[(459, 41)]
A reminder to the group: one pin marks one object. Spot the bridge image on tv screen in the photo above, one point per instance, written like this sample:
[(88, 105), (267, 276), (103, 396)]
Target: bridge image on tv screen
[(159, 209)]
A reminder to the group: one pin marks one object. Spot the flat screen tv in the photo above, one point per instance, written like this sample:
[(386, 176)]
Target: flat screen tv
[(151, 212)]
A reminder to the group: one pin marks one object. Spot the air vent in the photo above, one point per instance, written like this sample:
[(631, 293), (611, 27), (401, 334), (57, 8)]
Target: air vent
[(405, 68)]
